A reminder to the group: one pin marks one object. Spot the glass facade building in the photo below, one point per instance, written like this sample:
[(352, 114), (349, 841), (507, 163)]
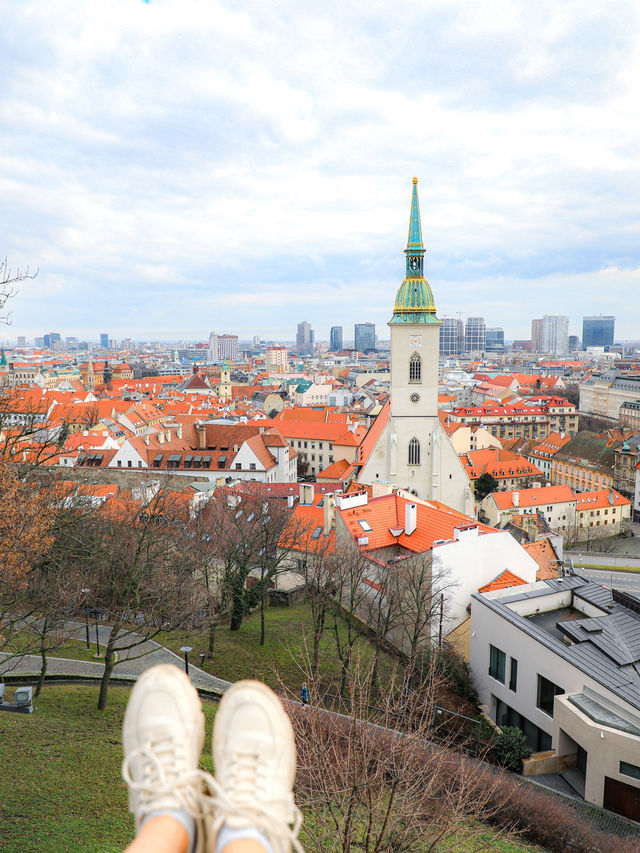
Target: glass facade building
[(451, 336), (364, 337), (475, 335), (598, 331), (335, 339)]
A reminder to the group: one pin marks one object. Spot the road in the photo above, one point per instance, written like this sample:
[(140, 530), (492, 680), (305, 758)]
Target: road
[(628, 581)]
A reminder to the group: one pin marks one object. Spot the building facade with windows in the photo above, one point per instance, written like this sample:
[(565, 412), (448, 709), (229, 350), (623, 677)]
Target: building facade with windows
[(598, 331), (451, 336), (305, 338), (335, 339), (475, 335), (559, 660), (364, 337)]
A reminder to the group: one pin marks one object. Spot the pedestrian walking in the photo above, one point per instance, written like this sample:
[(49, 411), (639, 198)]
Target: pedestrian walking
[(304, 693)]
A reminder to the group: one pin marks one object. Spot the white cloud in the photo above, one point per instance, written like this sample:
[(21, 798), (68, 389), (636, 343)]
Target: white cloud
[(191, 164)]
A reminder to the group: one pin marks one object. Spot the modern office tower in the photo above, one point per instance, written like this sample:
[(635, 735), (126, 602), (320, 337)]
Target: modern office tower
[(475, 335), (71, 342), (536, 335), (574, 343), (597, 331), (51, 340), (495, 339), (335, 339), (213, 347), (451, 336), (38, 343), (304, 338), (104, 340), (555, 334), (22, 341), (364, 337), (228, 347)]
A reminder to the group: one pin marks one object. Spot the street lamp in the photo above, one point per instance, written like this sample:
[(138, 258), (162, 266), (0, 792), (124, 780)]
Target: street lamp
[(85, 593), (97, 613), (186, 650)]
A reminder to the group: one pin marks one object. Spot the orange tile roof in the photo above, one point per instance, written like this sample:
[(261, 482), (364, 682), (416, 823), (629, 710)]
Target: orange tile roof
[(502, 581), (386, 515), (374, 433), (600, 500), (545, 556), (533, 497), (501, 464), (336, 471)]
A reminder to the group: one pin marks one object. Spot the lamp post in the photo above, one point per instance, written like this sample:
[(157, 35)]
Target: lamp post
[(85, 593), (97, 613), (186, 650)]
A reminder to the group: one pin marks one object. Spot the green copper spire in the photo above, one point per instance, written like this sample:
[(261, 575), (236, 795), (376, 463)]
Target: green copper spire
[(3, 360), (414, 301), (414, 241)]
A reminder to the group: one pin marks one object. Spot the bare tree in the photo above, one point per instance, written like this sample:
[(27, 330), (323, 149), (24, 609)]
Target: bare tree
[(9, 281), (374, 782), (138, 571), (349, 571)]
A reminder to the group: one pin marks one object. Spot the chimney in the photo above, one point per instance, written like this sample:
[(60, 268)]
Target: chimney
[(611, 497), (161, 437), (146, 440), (168, 435), (516, 498), (202, 436), (410, 518), (306, 494), (290, 501), (179, 431), (329, 513)]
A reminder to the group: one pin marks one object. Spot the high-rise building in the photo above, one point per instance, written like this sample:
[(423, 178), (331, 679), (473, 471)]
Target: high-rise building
[(22, 341), (104, 340), (495, 339), (276, 359), (51, 340), (598, 331), (555, 334), (451, 336), (305, 338), (221, 347), (475, 335), (335, 339), (536, 335), (574, 343), (228, 347), (364, 337)]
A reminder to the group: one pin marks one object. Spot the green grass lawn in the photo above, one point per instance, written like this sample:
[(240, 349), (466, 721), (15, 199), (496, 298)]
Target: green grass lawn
[(60, 789)]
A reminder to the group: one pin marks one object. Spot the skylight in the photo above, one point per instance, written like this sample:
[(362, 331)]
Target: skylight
[(365, 525)]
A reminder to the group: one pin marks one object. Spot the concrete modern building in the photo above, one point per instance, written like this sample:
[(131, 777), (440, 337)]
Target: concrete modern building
[(475, 335), (305, 338), (335, 339), (451, 336), (276, 359), (598, 331), (104, 340), (494, 339), (223, 347), (555, 334), (364, 337), (560, 659)]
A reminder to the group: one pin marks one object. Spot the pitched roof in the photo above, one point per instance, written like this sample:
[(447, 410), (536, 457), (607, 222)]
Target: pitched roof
[(600, 499), (502, 581), (545, 556), (533, 497)]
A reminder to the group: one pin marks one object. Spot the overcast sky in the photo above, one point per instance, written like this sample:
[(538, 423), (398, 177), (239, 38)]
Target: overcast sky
[(174, 167)]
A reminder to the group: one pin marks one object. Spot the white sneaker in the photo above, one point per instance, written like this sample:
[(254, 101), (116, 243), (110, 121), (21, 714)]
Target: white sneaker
[(254, 753), (163, 737)]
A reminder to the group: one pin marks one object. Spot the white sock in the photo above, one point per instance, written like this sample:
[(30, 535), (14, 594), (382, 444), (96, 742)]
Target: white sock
[(228, 834), (183, 817)]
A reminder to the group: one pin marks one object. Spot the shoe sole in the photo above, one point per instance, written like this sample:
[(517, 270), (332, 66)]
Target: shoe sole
[(270, 699)]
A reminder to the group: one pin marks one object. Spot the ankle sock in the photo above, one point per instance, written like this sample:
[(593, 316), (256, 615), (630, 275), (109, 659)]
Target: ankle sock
[(228, 834), (183, 817)]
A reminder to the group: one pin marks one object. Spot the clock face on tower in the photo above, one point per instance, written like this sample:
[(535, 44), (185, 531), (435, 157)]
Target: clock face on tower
[(415, 341)]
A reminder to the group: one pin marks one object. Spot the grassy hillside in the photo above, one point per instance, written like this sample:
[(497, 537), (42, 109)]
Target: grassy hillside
[(61, 791)]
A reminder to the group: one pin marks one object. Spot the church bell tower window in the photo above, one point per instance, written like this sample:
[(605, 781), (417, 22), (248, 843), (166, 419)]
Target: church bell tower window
[(415, 368)]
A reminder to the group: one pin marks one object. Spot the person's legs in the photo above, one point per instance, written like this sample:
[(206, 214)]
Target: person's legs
[(163, 737), (255, 759)]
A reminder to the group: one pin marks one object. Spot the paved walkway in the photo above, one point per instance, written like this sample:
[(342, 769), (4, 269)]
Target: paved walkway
[(131, 662)]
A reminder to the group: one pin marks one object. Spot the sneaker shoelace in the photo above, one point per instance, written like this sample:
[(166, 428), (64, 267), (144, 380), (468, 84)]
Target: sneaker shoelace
[(161, 759), (248, 799)]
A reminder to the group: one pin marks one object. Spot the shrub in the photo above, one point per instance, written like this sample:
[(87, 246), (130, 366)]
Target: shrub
[(511, 747)]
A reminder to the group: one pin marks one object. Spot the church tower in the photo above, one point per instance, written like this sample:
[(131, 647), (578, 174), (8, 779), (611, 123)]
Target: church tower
[(224, 388), (413, 451)]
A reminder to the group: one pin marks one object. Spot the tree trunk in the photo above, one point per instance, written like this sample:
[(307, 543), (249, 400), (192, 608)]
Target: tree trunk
[(108, 666), (237, 610), (374, 671), (212, 639), (43, 655), (262, 618)]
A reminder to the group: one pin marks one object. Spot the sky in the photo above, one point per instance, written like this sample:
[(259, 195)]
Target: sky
[(174, 167)]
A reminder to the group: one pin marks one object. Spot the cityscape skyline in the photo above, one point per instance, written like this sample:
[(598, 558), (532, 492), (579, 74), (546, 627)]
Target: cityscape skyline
[(527, 175)]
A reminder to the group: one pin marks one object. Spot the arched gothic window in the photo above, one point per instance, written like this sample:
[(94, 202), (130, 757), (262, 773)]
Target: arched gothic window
[(415, 368), (414, 452)]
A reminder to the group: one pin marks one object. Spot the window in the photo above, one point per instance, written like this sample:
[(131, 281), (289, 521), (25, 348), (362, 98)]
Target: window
[(513, 675), (546, 692), (630, 769), (364, 524), (252, 466), (415, 368), (414, 452), (497, 663)]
